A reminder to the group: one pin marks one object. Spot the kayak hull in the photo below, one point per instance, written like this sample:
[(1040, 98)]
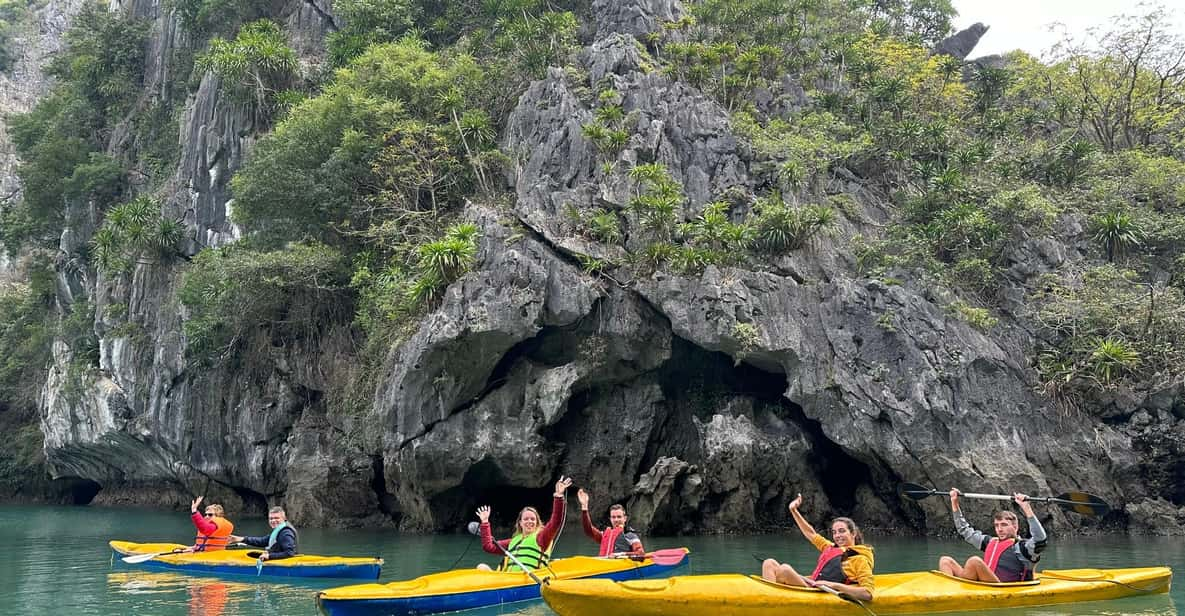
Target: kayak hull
[(464, 589), (237, 562), (896, 593)]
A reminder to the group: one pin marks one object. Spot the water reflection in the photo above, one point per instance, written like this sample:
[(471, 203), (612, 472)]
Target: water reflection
[(164, 593)]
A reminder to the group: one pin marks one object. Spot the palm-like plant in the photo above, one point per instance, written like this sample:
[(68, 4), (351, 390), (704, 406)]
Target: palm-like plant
[(1111, 358), (1118, 233)]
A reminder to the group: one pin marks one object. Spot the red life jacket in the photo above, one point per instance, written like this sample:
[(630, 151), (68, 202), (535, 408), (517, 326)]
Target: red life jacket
[(608, 540), (216, 540), (1001, 558), (614, 541), (830, 566)]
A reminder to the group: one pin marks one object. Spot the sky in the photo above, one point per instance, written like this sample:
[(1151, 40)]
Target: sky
[(1023, 24)]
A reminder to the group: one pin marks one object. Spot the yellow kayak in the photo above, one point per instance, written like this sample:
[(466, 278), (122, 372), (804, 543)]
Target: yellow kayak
[(462, 589), (896, 593), (239, 562)]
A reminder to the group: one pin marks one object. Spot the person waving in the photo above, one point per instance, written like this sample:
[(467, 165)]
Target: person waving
[(531, 542), (844, 565)]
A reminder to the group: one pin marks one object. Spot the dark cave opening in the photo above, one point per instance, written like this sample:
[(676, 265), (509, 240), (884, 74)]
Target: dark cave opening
[(83, 491), (485, 484), (388, 504), (254, 503), (697, 382)]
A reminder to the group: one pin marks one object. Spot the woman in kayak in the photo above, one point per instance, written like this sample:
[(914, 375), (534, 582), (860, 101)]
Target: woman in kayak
[(213, 530), (1006, 557), (530, 543), (844, 566)]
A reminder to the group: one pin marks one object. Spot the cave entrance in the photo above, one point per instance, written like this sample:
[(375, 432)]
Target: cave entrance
[(700, 383), (485, 484), (83, 491)]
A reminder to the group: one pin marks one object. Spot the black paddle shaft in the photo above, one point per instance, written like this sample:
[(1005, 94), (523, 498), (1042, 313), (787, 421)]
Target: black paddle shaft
[(1078, 502)]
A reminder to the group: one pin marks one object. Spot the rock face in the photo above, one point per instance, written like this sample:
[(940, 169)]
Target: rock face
[(704, 403), (960, 44)]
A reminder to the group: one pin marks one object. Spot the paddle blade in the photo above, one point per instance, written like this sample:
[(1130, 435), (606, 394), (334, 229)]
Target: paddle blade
[(140, 558), (668, 557), (1083, 504), (915, 491), (474, 528)]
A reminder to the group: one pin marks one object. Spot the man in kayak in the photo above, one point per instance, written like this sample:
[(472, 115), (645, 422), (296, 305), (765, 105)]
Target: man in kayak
[(213, 530), (844, 565), (617, 538), (1006, 557), (280, 543), (530, 543)]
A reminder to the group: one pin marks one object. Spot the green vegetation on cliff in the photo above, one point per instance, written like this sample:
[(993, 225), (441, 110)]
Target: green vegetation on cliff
[(351, 197)]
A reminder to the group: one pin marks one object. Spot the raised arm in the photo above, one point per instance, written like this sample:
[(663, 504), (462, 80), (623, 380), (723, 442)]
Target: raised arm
[(1037, 537), (487, 536), (805, 527), (969, 534), (585, 520), (558, 511)]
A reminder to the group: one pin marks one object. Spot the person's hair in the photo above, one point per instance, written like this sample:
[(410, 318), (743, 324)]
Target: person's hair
[(857, 536), (518, 521), (1005, 514), (279, 510), (217, 509), (618, 507)]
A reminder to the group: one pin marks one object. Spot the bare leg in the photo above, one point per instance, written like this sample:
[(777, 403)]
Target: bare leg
[(774, 571), (950, 566), (976, 569), (768, 568)]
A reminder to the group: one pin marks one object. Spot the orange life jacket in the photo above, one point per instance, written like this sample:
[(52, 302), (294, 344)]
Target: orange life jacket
[(216, 540)]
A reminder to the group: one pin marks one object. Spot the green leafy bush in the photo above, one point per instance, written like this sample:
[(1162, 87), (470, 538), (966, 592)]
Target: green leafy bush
[(206, 17), (335, 165), (61, 141), (779, 228), (134, 231), (237, 293), (255, 67), (1104, 326)]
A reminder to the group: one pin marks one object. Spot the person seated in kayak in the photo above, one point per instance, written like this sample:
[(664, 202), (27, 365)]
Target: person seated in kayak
[(530, 542), (617, 538), (280, 543), (1006, 557), (844, 566), (213, 529)]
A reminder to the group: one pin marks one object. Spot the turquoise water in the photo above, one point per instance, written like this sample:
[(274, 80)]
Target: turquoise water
[(55, 560)]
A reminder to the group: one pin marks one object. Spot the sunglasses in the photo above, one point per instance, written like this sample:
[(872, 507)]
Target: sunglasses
[(208, 514)]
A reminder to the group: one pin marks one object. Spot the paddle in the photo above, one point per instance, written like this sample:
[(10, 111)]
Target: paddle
[(476, 529), (666, 557), (1078, 502), (842, 595), (143, 558)]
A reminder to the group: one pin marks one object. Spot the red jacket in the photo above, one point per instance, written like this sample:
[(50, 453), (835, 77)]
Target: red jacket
[(597, 535)]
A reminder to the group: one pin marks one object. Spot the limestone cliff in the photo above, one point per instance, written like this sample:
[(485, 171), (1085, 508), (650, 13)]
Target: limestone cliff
[(704, 402)]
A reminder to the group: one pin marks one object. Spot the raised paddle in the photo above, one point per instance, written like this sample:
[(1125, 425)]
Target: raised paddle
[(666, 557), (1078, 502), (827, 589), (512, 557)]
